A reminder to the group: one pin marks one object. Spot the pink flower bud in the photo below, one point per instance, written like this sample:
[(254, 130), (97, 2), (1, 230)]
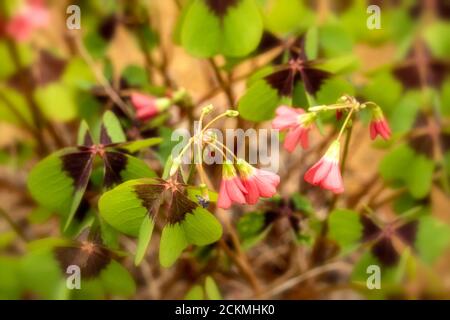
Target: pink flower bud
[(31, 16), (379, 125), (145, 105)]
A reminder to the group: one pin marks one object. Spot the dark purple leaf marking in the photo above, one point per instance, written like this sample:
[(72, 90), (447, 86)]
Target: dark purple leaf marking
[(151, 196), (90, 257), (78, 165), (385, 252), (370, 229), (313, 78), (282, 81), (114, 163), (408, 232), (220, 7)]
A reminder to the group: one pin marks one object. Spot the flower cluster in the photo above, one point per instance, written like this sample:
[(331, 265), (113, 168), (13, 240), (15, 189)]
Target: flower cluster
[(242, 186), (31, 16), (247, 187), (326, 173)]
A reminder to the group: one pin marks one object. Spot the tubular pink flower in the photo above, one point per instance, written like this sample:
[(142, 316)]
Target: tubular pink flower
[(146, 106), (231, 188), (31, 16), (297, 122), (326, 172), (286, 117), (379, 125), (257, 182)]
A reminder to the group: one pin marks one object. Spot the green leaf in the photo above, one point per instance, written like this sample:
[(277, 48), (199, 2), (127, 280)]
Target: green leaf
[(78, 74), (113, 127), (211, 289), (145, 234), (14, 108), (312, 43), (419, 176), (251, 228), (432, 239), (445, 98), (404, 114), (41, 275), (259, 102), (201, 227), (10, 278), (384, 89), (173, 242), (57, 101), (334, 40), (392, 167), (122, 209), (235, 34), (195, 293), (345, 228), (135, 169), (49, 185), (135, 76), (83, 130), (134, 146), (436, 36), (95, 44), (302, 203), (332, 89), (117, 281), (7, 67), (285, 16), (341, 64)]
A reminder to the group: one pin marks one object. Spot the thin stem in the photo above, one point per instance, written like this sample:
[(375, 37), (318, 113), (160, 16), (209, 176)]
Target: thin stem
[(19, 116), (183, 151), (337, 106), (220, 116), (344, 125), (225, 87), (13, 224), (228, 150), (114, 96), (345, 151)]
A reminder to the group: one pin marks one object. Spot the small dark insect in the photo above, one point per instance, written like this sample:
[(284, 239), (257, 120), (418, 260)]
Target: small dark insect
[(202, 201)]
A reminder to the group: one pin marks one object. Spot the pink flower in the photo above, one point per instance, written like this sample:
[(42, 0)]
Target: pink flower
[(379, 125), (257, 182), (326, 173), (231, 188), (33, 15), (148, 106), (297, 122)]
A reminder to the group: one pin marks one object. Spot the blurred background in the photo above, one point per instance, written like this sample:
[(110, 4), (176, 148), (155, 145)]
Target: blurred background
[(296, 246)]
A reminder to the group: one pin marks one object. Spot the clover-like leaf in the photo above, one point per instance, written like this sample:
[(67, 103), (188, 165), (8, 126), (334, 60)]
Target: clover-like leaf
[(127, 207), (58, 182), (229, 27)]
